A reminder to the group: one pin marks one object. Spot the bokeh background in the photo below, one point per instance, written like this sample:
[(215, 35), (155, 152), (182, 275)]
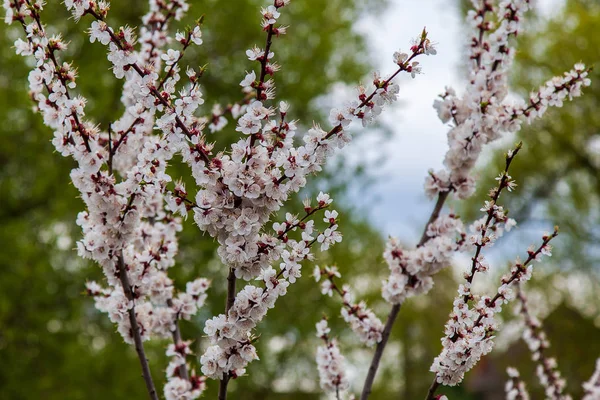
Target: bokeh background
[(55, 345)]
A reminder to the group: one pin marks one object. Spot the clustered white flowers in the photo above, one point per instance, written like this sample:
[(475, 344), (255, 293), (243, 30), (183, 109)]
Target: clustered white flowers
[(481, 116), (546, 367), (134, 209), (179, 385), (470, 328), (330, 362), (411, 271), (515, 387), (363, 322), (130, 224), (485, 112), (126, 227)]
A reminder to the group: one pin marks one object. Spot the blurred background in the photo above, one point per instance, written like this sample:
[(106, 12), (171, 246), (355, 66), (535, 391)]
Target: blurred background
[(55, 345)]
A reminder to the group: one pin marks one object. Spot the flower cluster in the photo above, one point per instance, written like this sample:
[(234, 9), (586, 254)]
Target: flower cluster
[(231, 334), (239, 190), (130, 227), (368, 106), (515, 388), (484, 112), (126, 228), (261, 170), (363, 322), (179, 385), (330, 362), (411, 271), (231, 346), (547, 368), (470, 329), (482, 115)]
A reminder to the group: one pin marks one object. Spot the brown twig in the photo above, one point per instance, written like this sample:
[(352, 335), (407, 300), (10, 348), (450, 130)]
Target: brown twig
[(263, 64), (368, 385), (495, 195), (228, 304), (57, 69), (431, 392), (135, 329)]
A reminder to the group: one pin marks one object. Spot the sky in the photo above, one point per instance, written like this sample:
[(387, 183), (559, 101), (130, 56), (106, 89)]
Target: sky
[(419, 141), (396, 202)]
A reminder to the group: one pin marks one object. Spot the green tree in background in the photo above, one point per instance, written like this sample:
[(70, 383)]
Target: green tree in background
[(53, 343)]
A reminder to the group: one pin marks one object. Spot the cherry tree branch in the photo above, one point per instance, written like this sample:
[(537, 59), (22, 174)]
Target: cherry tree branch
[(389, 324), (157, 95), (367, 387), (229, 303), (135, 329), (58, 69)]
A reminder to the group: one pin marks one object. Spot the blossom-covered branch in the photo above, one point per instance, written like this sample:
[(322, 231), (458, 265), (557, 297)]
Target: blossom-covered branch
[(330, 362), (482, 115), (363, 322), (547, 367), (515, 387), (133, 210), (469, 331)]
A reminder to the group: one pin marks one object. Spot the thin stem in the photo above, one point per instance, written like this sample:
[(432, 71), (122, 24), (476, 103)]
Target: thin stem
[(230, 290), (367, 387), (263, 73), (434, 215), (124, 134), (504, 183), (432, 389), (169, 73), (263, 63), (229, 303), (110, 151), (223, 388), (379, 352), (57, 68), (135, 330)]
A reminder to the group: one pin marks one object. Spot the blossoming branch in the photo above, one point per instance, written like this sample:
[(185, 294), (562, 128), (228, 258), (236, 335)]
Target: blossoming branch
[(134, 208)]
